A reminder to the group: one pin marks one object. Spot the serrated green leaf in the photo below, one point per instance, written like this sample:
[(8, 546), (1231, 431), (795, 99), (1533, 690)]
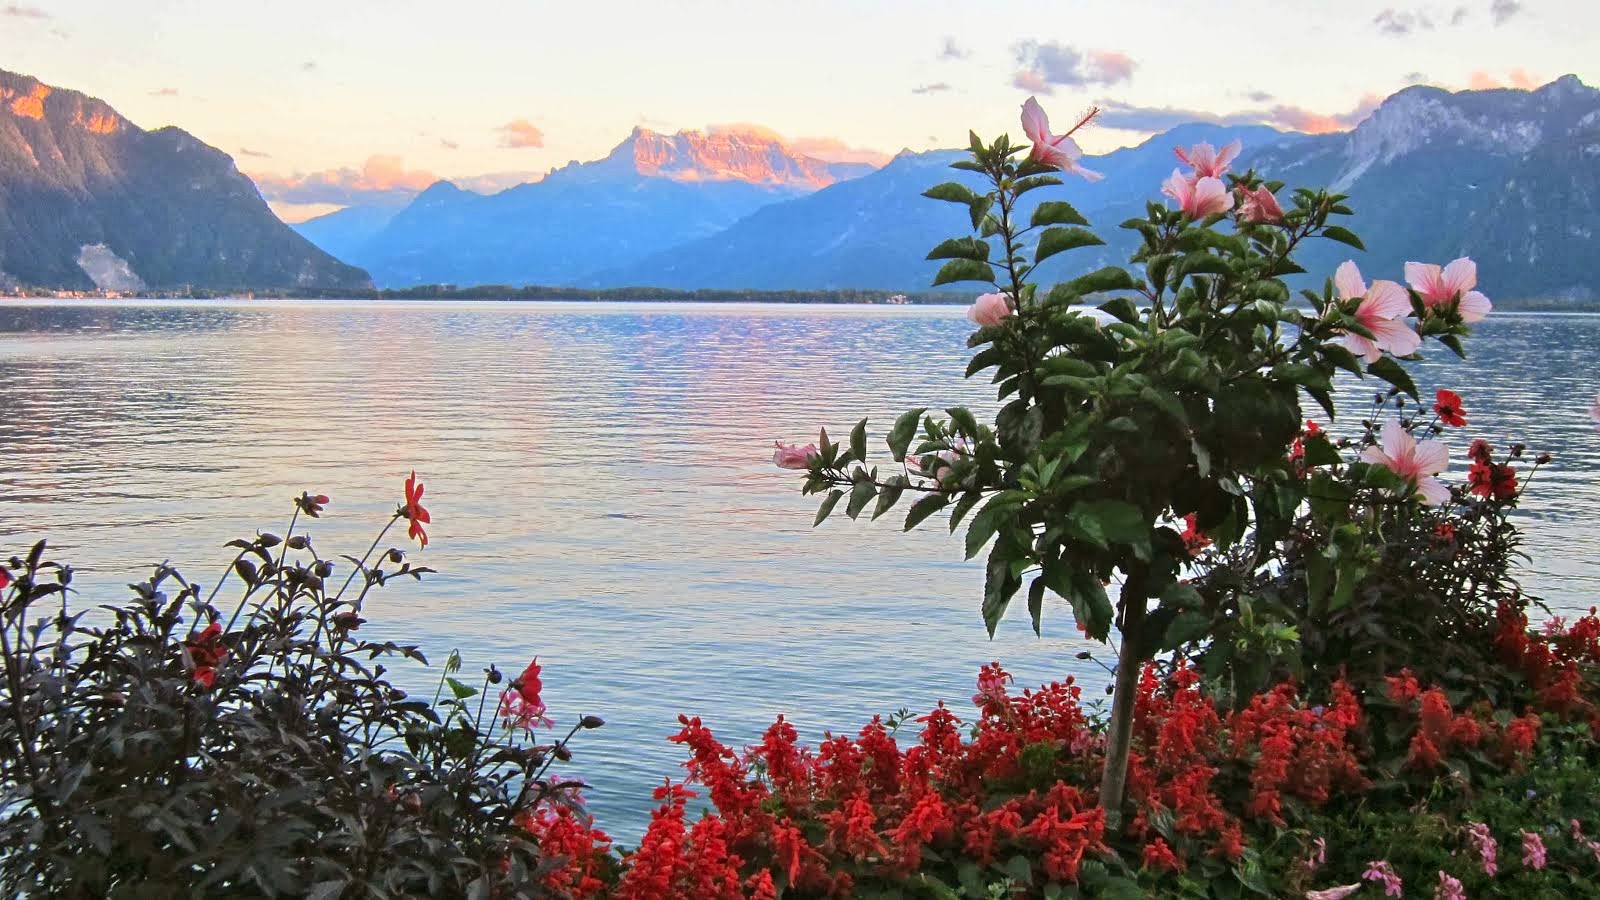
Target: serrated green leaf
[(858, 441), (1056, 212), (1122, 308), (926, 505), (951, 192), (1394, 373), (461, 691), (905, 428), (1343, 236), (1110, 278), (1057, 240), (827, 506), (964, 270), (961, 248), (889, 494)]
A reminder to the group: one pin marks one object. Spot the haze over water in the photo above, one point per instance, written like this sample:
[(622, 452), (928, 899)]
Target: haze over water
[(601, 485)]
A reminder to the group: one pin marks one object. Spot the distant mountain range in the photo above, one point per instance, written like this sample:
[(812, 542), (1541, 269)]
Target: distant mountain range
[(652, 192), (88, 199), (1509, 177)]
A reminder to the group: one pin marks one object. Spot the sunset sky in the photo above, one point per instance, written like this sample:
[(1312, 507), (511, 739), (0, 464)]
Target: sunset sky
[(328, 101)]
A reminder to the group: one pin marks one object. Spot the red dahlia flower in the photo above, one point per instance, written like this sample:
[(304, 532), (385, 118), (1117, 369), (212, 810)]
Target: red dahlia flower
[(414, 511)]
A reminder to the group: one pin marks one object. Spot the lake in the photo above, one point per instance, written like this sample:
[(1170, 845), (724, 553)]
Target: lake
[(602, 489)]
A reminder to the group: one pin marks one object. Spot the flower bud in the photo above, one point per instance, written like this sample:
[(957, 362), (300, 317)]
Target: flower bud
[(591, 721), (495, 677), (396, 555), (1516, 450), (298, 542), (268, 539), (323, 568), (1084, 654), (1543, 459), (562, 753)]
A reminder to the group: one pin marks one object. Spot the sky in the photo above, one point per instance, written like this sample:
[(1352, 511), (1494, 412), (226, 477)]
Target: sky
[(335, 102)]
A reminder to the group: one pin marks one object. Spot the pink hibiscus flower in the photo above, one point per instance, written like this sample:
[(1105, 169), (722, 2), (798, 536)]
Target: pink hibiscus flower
[(1198, 198), (1440, 287), (1057, 150), (1259, 206), (1383, 309), (1415, 461), (1206, 161)]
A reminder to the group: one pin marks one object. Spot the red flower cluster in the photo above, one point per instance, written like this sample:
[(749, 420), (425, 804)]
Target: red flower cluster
[(1297, 450), (1554, 662), (1487, 478), (1194, 540), (1442, 731), (206, 653)]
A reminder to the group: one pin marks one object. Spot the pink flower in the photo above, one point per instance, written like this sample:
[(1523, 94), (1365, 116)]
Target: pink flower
[(939, 466), (1197, 198), (1060, 150), (793, 456), (1532, 850), (1483, 842), (1259, 205), (989, 309), (520, 703), (1334, 893), (1206, 161), (1440, 287), (1449, 888), (1382, 311), (1319, 854), (1415, 461), (991, 687), (1380, 870)]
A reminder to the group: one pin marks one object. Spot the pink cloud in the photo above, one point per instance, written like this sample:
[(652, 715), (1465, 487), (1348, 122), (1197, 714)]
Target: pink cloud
[(381, 177), (1518, 78), (521, 133)]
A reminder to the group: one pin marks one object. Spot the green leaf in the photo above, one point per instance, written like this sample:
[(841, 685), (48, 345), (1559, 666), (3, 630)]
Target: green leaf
[(1090, 605), (988, 356), (461, 691), (858, 441), (951, 192), (998, 586), (859, 496), (1123, 309), (963, 420), (905, 428), (1056, 212), (1036, 603), (1119, 521), (961, 248), (828, 504), (978, 210), (1394, 373), (888, 494), (962, 507), (925, 506), (1056, 240), (1110, 278), (964, 270), (1343, 236)]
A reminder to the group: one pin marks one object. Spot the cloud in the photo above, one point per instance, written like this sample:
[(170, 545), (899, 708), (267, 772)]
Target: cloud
[(382, 179), (1416, 78), (1047, 65), (15, 11), (938, 87), (521, 133), (1501, 11), (308, 66), (952, 50), (1459, 16), (1259, 97), (165, 92), (448, 144), (1517, 78), (1402, 21), (746, 129), (1286, 116), (495, 182), (246, 151)]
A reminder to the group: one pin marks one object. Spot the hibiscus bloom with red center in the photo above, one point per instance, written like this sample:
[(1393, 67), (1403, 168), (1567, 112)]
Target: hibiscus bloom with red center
[(1448, 406), (413, 510)]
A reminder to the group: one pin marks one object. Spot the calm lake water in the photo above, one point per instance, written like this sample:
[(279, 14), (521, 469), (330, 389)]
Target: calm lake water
[(603, 496)]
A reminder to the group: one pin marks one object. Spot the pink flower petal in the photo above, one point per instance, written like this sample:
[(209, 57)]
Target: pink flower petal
[(1348, 280), (1433, 491), (1474, 307), (1362, 347), (1034, 122), (1423, 278), (1228, 154), (1431, 457), (1376, 456), (1386, 299), (1459, 276), (1395, 336), (1397, 444)]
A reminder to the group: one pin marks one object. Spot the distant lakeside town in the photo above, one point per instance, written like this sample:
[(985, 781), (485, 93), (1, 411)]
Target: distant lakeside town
[(506, 292)]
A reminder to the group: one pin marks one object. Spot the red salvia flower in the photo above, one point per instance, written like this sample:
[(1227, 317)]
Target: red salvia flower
[(1448, 406), (414, 511)]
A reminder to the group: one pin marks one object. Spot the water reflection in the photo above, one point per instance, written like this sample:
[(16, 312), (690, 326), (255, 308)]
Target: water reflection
[(602, 487)]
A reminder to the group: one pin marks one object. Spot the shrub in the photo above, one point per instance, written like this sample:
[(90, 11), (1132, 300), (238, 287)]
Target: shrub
[(173, 747)]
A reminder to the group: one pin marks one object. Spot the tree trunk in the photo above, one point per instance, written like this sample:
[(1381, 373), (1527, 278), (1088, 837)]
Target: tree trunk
[(1114, 780)]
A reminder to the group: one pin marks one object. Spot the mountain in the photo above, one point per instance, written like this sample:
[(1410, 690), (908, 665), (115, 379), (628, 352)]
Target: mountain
[(344, 232), (88, 199), (1508, 177), (653, 191), (874, 231)]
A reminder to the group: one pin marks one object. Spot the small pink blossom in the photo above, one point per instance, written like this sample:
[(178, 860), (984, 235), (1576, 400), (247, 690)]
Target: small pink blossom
[(1334, 893), (1449, 888), (1198, 198), (793, 456), (1440, 287), (991, 687), (1415, 461), (1533, 853), (1382, 311), (1058, 151), (1380, 870), (1206, 161), (1319, 854), (939, 465), (1259, 206), (989, 309), (1484, 844)]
